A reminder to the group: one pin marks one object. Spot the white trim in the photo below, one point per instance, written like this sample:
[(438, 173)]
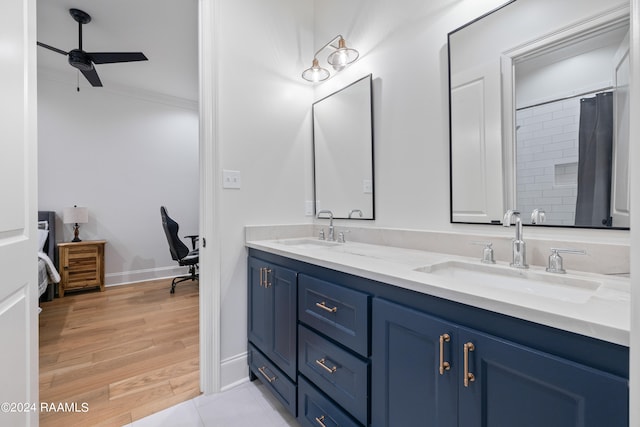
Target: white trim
[(135, 276), (210, 255), (634, 164), (233, 368)]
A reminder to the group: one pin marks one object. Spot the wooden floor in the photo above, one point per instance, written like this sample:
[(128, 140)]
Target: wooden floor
[(126, 352)]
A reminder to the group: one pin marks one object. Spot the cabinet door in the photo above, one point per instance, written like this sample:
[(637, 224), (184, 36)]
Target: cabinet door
[(282, 284), (518, 386), (407, 387), (259, 305), (272, 313)]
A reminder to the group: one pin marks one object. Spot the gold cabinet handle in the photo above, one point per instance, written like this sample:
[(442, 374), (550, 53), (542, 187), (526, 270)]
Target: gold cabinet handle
[(444, 366), (264, 277), (322, 362), (468, 376), (320, 420), (267, 271), (264, 374), (323, 305)]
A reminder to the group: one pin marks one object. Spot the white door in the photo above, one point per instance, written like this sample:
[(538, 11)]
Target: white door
[(18, 215), (476, 148)]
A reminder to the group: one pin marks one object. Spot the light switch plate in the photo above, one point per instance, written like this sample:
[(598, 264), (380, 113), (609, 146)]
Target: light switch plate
[(367, 186), (308, 208), (231, 179)]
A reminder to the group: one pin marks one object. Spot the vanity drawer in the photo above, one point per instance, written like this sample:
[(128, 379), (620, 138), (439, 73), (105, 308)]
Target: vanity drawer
[(280, 385), (316, 410), (340, 313), (338, 372)]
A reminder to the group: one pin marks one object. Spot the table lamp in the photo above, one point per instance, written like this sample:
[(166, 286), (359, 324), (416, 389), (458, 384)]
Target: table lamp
[(75, 215)]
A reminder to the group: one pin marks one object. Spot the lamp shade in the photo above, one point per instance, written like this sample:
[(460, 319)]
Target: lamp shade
[(343, 56), (315, 73), (75, 215)]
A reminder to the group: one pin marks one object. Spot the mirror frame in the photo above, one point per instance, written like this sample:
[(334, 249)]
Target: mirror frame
[(368, 77), (507, 98)]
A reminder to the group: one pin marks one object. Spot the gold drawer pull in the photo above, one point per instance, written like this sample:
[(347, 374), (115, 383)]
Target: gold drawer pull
[(444, 366), (322, 362), (323, 305), (264, 374), (320, 420), (468, 376), (267, 271), (264, 277)]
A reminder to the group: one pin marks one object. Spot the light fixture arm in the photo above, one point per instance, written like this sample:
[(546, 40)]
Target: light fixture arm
[(336, 38)]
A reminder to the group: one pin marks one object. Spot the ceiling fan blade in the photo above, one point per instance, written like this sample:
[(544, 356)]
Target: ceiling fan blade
[(111, 57), (55, 49), (92, 76)]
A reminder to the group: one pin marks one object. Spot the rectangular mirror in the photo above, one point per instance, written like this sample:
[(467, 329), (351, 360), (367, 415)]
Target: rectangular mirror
[(539, 114), (343, 152)]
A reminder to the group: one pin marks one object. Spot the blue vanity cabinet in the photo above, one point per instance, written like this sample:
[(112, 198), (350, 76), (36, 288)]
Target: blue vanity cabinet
[(373, 354), (272, 317), (516, 385), (408, 388), (315, 409), (507, 384), (334, 345), (338, 312)]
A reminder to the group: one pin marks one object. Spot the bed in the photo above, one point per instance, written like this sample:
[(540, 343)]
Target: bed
[(47, 274)]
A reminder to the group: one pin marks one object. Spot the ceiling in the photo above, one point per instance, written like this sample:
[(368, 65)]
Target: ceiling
[(166, 31)]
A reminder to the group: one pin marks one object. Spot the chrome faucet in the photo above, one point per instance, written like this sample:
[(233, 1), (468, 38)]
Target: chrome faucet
[(538, 216), (331, 236), (353, 211), (519, 247)]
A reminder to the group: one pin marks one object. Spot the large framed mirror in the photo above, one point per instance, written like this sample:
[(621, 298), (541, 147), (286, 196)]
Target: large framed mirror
[(539, 114), (343, 152)]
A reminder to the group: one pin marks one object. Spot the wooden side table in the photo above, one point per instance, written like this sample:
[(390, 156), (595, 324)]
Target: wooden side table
[(81, 265)]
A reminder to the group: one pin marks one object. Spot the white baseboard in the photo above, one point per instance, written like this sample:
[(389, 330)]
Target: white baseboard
[(127, 277), (234, 371)]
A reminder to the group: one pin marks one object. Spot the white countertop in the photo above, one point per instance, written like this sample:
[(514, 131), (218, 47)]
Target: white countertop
[(603, 313)]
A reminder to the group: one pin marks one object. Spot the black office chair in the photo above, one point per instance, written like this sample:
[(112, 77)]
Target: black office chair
[(179, 251)]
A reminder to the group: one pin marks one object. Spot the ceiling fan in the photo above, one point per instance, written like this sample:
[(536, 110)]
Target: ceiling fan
[(84, 61)]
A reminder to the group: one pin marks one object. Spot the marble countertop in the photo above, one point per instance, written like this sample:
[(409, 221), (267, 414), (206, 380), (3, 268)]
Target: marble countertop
[(590, 304)]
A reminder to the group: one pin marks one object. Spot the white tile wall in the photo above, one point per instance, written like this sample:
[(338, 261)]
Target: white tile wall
[(547, 159)]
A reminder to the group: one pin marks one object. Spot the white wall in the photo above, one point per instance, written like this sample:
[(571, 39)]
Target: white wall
[(589, 72), (122, 156), (404, 45), (264, 131)]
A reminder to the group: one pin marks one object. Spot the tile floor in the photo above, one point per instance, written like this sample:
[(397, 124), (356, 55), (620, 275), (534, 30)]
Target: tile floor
[(247, 405)]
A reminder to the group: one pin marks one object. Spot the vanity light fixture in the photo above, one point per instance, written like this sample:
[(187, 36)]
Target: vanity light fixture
[(338, 59)]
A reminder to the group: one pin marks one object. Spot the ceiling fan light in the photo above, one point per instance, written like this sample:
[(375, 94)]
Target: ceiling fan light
[(315, 73)]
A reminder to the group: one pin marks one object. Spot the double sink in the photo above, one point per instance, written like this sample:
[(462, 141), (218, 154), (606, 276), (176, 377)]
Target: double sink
[(498, 277)]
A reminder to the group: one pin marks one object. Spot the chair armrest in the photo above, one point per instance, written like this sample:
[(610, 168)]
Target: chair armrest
[(193, 238)]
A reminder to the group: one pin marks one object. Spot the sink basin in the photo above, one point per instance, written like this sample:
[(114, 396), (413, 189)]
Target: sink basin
[(308, 242), (549, 285)]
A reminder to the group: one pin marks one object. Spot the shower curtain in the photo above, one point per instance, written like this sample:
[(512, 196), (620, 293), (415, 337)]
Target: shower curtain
[(595, 144)]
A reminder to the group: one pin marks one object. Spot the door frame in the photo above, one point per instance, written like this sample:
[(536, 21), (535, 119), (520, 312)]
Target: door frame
[(210, 253)]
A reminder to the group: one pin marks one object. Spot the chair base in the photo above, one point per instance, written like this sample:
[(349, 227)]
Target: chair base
[(193, 276)]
